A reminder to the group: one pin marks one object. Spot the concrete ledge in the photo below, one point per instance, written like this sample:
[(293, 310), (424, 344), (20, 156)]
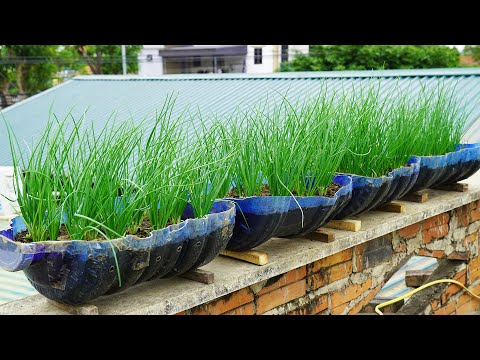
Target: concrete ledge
[(169, 296)]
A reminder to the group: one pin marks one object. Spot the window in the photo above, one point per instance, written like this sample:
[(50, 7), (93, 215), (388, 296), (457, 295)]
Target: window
[(197, 61), (220, 60), (149, 57), (284, 53), (257, 59)]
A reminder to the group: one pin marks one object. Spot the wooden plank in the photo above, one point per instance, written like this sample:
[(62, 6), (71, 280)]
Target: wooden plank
[(76, 309), (389, 309), (251, 256), (323, 235), (458, 187), (416, 196), (393, 207), (202, 276), (345, 224), (7, 218), (416, 278)]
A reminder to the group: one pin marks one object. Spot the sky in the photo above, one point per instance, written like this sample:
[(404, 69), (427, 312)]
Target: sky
[(459, 47)]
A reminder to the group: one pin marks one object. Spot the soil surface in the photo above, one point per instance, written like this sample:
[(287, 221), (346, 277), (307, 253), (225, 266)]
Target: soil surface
[(332, 189), (144, 229), (21, 237), (265, 191)]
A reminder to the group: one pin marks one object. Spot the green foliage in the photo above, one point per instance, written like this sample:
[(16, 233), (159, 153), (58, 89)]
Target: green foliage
[(473, 50), (107, 59), (389, 126), (373, 57), (32, 67)]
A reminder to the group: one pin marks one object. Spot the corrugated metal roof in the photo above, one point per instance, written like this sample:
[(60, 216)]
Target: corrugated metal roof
[(395, 286), (137, 97)]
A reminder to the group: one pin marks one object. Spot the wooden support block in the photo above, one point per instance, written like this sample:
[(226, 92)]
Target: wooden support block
[(323, 235), (345, 224), (202, 276), (7, 218), (393, 207), (416, 196), (389, 309), (458, 187), (416, 278), (251, 256), (76, 309)]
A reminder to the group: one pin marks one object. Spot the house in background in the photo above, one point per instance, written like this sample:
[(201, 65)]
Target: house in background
[(200, 59)]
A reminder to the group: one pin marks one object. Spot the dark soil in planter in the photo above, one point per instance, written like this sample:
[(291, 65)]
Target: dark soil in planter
[(21, 237), (332, 190), (265, 191), (144, 229)]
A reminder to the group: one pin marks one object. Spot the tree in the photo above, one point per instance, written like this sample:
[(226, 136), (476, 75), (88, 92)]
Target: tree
[(33, 65), (473, 50), (373, 57), (6, 71), (107, 59)]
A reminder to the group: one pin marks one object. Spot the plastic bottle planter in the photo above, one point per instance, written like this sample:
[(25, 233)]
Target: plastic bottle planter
[(448, 168), (403, 179), (257, 220), (78, 271), (371, 192), (316, 210)]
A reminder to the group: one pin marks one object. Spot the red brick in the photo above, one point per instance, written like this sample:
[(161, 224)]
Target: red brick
[(329, 275), (447, 309), (247, 309), (435, 304), (358, 251), (424, 252), (225, 303), (463, 299), (475, 215), (462, 216), (439, 254), (409, 232), (287, 278), (461, 276), (449, 292), (475, 289), (317, 305), (317, 280), (349, 292), (339, 257), (470, 239), (365, 300), (467, 308), (281, 296), (338, 310), (434, 233), (436, 221), (401, 248), (473, 270), (474, 263)]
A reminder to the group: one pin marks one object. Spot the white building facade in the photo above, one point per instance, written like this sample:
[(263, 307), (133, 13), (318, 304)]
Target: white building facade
[(185, 59)]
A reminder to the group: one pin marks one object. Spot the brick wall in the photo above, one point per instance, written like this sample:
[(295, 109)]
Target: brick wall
[(345, 282)]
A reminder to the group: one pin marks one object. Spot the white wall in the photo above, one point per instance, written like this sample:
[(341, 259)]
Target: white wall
[(270, 56), (150, 68)]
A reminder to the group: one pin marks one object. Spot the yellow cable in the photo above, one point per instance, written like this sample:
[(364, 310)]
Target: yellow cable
[(410, 293)]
